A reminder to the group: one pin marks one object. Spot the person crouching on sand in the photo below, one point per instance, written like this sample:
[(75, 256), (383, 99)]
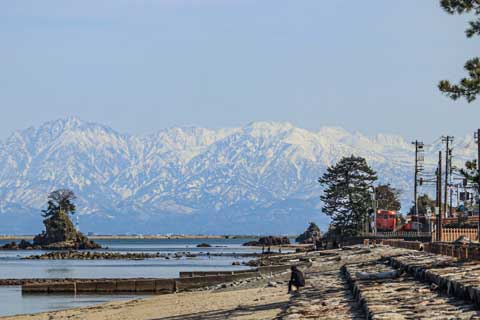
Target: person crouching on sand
[(297, 279)]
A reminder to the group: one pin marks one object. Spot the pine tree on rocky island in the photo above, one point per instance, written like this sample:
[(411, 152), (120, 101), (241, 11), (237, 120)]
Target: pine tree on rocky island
[(60, 233), (346, 198), (60, 201)]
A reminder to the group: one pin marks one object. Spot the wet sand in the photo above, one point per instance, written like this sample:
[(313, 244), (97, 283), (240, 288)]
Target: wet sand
[(254, 303)]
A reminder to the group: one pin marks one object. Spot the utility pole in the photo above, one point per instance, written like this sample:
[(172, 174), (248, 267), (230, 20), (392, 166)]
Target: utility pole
[(448, 153), (419, 157), (438, 209), (477, 136)]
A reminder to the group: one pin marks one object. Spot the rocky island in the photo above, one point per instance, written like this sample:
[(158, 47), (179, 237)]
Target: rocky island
[(268, 241), (59, 233)]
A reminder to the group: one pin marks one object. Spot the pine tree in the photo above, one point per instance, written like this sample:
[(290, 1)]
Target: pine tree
[(388, 197), (346, 198), (470, 172), (468, 87), (60, 233), (60, 201)]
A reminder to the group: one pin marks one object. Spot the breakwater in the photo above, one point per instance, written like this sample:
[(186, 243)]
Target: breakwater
[(187, 281)]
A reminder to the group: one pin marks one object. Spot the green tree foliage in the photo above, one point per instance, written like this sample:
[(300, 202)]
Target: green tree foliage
[(60, 201), (388, 197), (470, 171), (346, 197), (423, 202), (468, 87)]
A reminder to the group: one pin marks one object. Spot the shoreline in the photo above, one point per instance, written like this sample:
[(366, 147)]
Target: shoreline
[(262, 302), (261, 297), (134, 237)]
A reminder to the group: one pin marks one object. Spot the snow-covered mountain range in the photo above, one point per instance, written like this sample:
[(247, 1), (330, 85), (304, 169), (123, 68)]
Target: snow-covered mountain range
[(261, 178)]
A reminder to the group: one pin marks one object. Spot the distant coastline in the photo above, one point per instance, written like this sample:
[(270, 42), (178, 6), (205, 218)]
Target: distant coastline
[(130, 237)]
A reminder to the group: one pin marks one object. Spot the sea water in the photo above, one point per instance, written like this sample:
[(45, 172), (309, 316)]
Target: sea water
[(13, 267)]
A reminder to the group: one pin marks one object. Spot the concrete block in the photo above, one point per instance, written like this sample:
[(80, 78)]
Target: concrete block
[(86, 286), (35, 288), (186, 274), (145, 285), (125, 286), (165, 285), (106, 286), (61, 287), (183, 284)]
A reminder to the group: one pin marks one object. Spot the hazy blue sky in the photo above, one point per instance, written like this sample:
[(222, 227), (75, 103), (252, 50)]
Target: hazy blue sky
[(142, 65)]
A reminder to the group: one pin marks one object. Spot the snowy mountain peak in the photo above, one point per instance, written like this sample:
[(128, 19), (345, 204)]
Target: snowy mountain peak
[(267, 128), (259, 178)]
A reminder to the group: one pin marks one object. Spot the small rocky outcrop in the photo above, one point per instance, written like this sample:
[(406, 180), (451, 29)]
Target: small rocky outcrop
[(307, 237), (203, 245), (60, 234), (268, 241), (88, 255), (22, 245)]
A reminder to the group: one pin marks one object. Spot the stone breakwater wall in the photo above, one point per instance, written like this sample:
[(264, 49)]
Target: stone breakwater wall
[(91, 255), (187, 281), (96, 255), (388, 292), (458, 250), (455, 278)]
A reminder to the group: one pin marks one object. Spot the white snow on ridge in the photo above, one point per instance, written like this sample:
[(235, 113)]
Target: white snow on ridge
[(190, 169)]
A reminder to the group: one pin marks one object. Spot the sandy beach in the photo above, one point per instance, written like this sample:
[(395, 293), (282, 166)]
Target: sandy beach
[(255, 303)]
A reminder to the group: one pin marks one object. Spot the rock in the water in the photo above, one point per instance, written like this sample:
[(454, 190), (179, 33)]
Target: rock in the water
[(269, 241), (22, 245), (307, 237), (10, 246), (89, 255), (203, 245), (251, 244), (60, 234)]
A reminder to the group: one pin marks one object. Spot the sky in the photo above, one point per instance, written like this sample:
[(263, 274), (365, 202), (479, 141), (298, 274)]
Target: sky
[(140, 66)]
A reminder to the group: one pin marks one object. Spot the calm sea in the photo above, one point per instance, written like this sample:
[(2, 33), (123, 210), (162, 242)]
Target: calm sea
[(12, 267)]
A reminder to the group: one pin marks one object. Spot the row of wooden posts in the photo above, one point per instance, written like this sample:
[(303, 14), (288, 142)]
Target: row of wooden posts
[(447, 234), (452, 234)]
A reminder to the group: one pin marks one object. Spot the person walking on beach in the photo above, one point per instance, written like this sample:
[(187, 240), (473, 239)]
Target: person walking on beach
[(297, 279)]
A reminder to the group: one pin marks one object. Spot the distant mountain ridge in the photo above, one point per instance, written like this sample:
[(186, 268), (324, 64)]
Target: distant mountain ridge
[(260, 178)]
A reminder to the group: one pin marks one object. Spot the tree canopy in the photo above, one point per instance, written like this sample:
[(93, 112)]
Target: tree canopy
[(423, 202), (468, 87), (60, 201), (346, 198), (470, 171), (388, 197)]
